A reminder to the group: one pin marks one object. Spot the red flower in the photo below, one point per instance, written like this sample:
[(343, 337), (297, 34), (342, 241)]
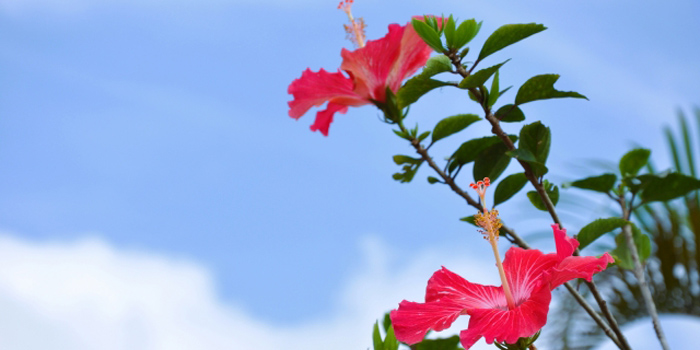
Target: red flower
[(371, 69), (531, 275)]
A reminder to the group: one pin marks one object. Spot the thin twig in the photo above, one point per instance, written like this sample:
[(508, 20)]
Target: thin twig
[(639, 273)]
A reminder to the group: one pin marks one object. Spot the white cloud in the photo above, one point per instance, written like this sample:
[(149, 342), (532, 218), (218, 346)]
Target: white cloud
[(89, 295)]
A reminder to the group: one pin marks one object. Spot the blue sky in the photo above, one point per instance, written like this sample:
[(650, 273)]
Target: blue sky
[(161, 128)]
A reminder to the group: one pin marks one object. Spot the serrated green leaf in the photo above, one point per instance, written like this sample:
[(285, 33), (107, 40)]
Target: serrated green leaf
[(479, 78), (541, 87), (508, 187), (377, 338), (510, 113), (537, 139), (452, 125), (428, 34), (451, 343), (491, 162), (552, 192), (414, 89), (633, 161), (598, 228), (665, 188), (435, 65), (495, 92), (507, 35), (601, 183), (466, 31), (622, 254)]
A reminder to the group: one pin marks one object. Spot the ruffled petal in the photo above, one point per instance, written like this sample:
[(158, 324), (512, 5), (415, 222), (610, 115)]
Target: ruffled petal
[(315, 88), (324, 118), (447, 285), (413, 55), (525, 271), (508, 325), (370, 65), (412, 321), (578, 267), (566, 246)]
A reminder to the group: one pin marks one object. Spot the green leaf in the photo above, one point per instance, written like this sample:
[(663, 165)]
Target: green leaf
[(466, 31), (495, 92), (401, 159), (469, 219), (491, 162), (535, 138), (471, 149), (622, 254), (414, 89), (598, 228), (423, 136), (510, 113), (401, 134), (633, 161), (451, 343), (507, 35), (668, 187), (436, 65), (508, 187), (432, 180), (552, 192), (428, 34), (449, 30), (386, 323), (377, 338), (541, 87), (390, 342), (601, 183), (479, 78), (452, 125)]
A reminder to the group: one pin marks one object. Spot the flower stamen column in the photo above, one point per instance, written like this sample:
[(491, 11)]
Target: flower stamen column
[(491, 224)]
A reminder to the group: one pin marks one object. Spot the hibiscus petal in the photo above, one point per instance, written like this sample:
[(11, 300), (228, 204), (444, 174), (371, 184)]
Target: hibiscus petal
[(325, 117), (412, 321), (413, 54), (566, 246), (508, 325), (315, 88), (370, 65), (447, 285), (578, 267), (525, 271)]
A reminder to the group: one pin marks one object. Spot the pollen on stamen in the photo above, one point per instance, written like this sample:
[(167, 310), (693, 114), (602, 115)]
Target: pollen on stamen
[(356, 29)]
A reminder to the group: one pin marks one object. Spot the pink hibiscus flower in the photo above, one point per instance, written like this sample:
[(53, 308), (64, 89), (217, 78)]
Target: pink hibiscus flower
[(371, 69), (531, 275)]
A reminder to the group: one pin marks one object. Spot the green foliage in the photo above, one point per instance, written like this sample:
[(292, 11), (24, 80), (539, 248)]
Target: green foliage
[(435, 65), (552, 192), (470, 150), (598, 228), (433, 180), (508, 187), (491, 162), (414, 88), (507, 35), (429, 34), (670, 186), (451, 343), (622, 254), (452, 125), (479, 78), (449, 28), (388, 343), (535, 140), (601, 183), (495, 92), (510, 113), (466, 31), (633, 161), (409, 169), (541, 87)]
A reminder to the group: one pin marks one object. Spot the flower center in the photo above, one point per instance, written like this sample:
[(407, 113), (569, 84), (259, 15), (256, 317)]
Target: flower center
[(491, 224), (356, 29)]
